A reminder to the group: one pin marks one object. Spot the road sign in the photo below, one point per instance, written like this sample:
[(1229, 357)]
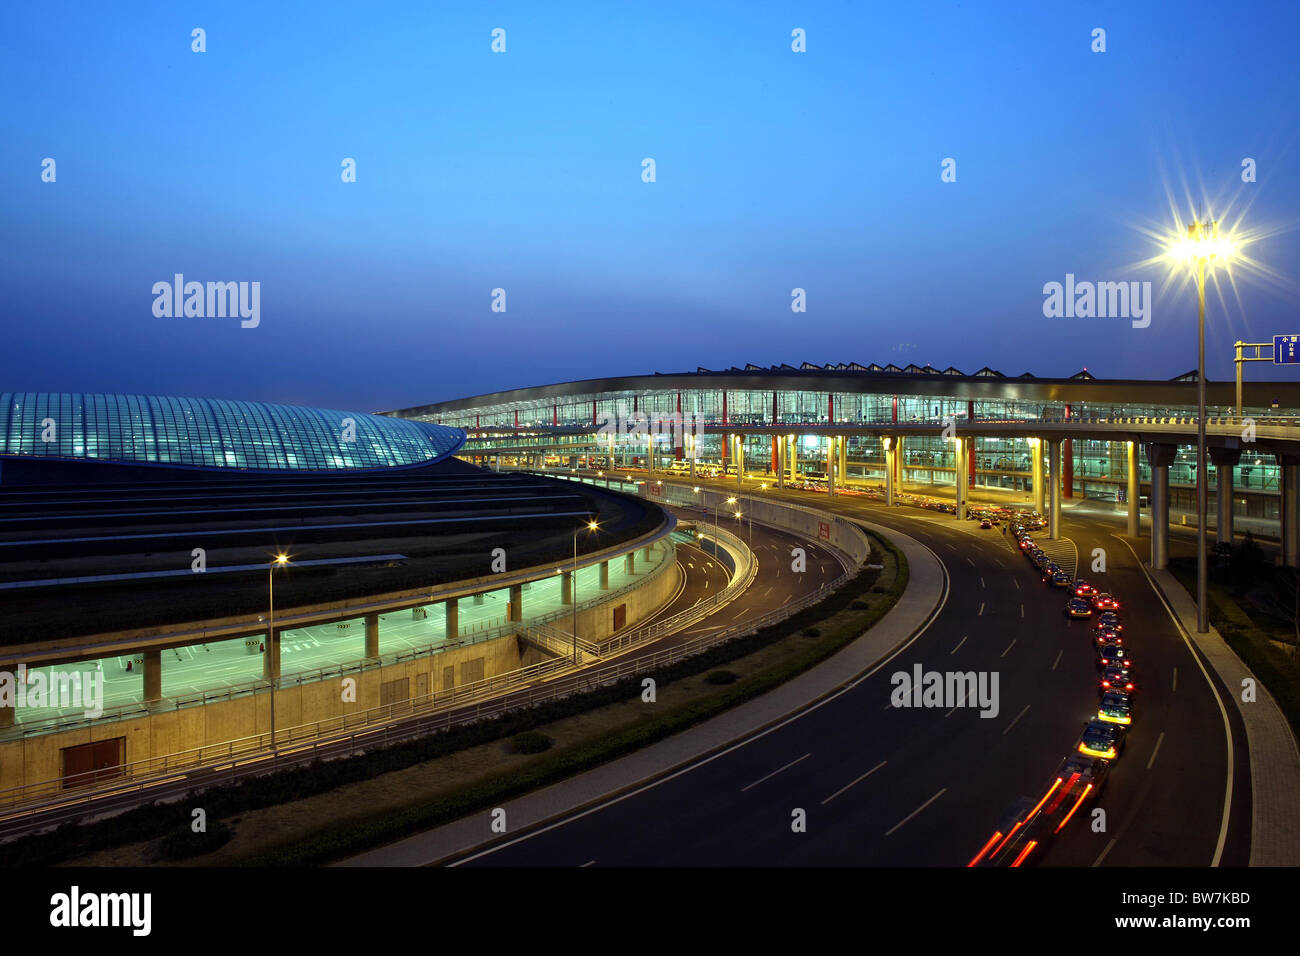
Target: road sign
[(1286, 350)]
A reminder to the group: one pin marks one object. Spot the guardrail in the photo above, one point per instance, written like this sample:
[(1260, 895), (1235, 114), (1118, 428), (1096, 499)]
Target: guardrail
[(136, 709), (346, 734)]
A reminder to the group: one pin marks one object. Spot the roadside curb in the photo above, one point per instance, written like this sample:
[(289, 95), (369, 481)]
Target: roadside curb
[(924, 595), (1272, 751)]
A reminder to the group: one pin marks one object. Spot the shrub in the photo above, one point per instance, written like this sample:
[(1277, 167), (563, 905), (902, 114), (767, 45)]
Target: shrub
[(184, 843), (721, 677), (531, 742), (812, 632)]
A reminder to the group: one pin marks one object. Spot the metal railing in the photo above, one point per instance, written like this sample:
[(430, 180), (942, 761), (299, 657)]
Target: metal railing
[(136, 709), (441, 710)]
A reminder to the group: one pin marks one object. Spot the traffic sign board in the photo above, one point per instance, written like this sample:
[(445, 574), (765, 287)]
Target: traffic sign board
[(1286, 350)]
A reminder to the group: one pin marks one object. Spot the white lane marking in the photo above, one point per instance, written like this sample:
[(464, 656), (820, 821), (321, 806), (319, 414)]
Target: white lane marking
[(1022, 612), (851, 783), (891, 830), (1175, 680), (1223, 711), (959, 644), (959, 703), (998, 563), (951, 545), (981, 581), (1159, 740), (1008, 650), (588, 863), (1058, 658), (697, 764), (972, 563), (1013, 723), (1097, 862), (774, 772), (981, 613), (1016, 583)]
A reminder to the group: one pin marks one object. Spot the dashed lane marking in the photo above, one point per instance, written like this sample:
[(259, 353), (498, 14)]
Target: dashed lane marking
[(775, 772), (852, 782)]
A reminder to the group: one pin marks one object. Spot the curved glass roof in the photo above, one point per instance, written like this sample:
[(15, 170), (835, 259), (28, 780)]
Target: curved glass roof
[(214, 433)]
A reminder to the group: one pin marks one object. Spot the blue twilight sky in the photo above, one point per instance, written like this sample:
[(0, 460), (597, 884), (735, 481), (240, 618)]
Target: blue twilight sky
[(522, 171)]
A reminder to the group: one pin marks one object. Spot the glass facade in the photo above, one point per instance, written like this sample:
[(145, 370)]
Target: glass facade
[(214, 434)]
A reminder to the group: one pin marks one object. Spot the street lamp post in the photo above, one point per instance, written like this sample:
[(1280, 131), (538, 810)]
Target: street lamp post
[(280, 561), (1202, 245), (573, 586)]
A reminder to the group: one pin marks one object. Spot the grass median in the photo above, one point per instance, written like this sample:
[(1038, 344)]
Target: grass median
[(322, 812)]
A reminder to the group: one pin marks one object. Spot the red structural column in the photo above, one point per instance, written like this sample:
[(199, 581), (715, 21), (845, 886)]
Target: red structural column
[(555, 414), (830, 408), (593, 411), (724, 421), (516, 419), (1067, 462), (898, 467), (679, 451), (774, 458), (970, 472)]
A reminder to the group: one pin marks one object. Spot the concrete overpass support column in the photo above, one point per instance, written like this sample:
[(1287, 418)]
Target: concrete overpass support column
[(890, 455), (792, 457), (781, 457), (740, 459), (1160, 457), (1036, 473), (271, 656), (453, 618), (153, 675), (900, 470), (1225, 459), (604, 575), (693, 442), (515, 609), (1288, 500), (832, 462), (372, 635), (1054, 489), (959, 477), (630, 562), (566, 587), (1134, 492), (650, 456), (844, 460)]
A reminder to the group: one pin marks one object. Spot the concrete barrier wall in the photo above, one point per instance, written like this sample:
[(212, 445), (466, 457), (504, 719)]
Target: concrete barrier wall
[(806, 522), (38, 758)]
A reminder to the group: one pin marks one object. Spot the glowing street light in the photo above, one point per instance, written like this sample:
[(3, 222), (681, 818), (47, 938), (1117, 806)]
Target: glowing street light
[(1200, 247), (573, 585), (280, 561)]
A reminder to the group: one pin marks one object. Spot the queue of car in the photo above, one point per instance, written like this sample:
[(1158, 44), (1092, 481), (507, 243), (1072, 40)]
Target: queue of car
[(1084, 772)]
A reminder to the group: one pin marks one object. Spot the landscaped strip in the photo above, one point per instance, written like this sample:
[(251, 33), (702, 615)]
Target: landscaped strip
[(815, 633)]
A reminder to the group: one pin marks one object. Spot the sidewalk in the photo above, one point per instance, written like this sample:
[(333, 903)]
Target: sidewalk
[(925, 590), (1274, 758)]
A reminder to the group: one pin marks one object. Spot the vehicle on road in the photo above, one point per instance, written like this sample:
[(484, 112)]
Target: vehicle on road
[(1059, 580), (1111, 655), (1083, 589), (985, 523), (1109, 619), (1102, 739), (1116, 677), (1078, 607), (1116, 708), (1107, 637)]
